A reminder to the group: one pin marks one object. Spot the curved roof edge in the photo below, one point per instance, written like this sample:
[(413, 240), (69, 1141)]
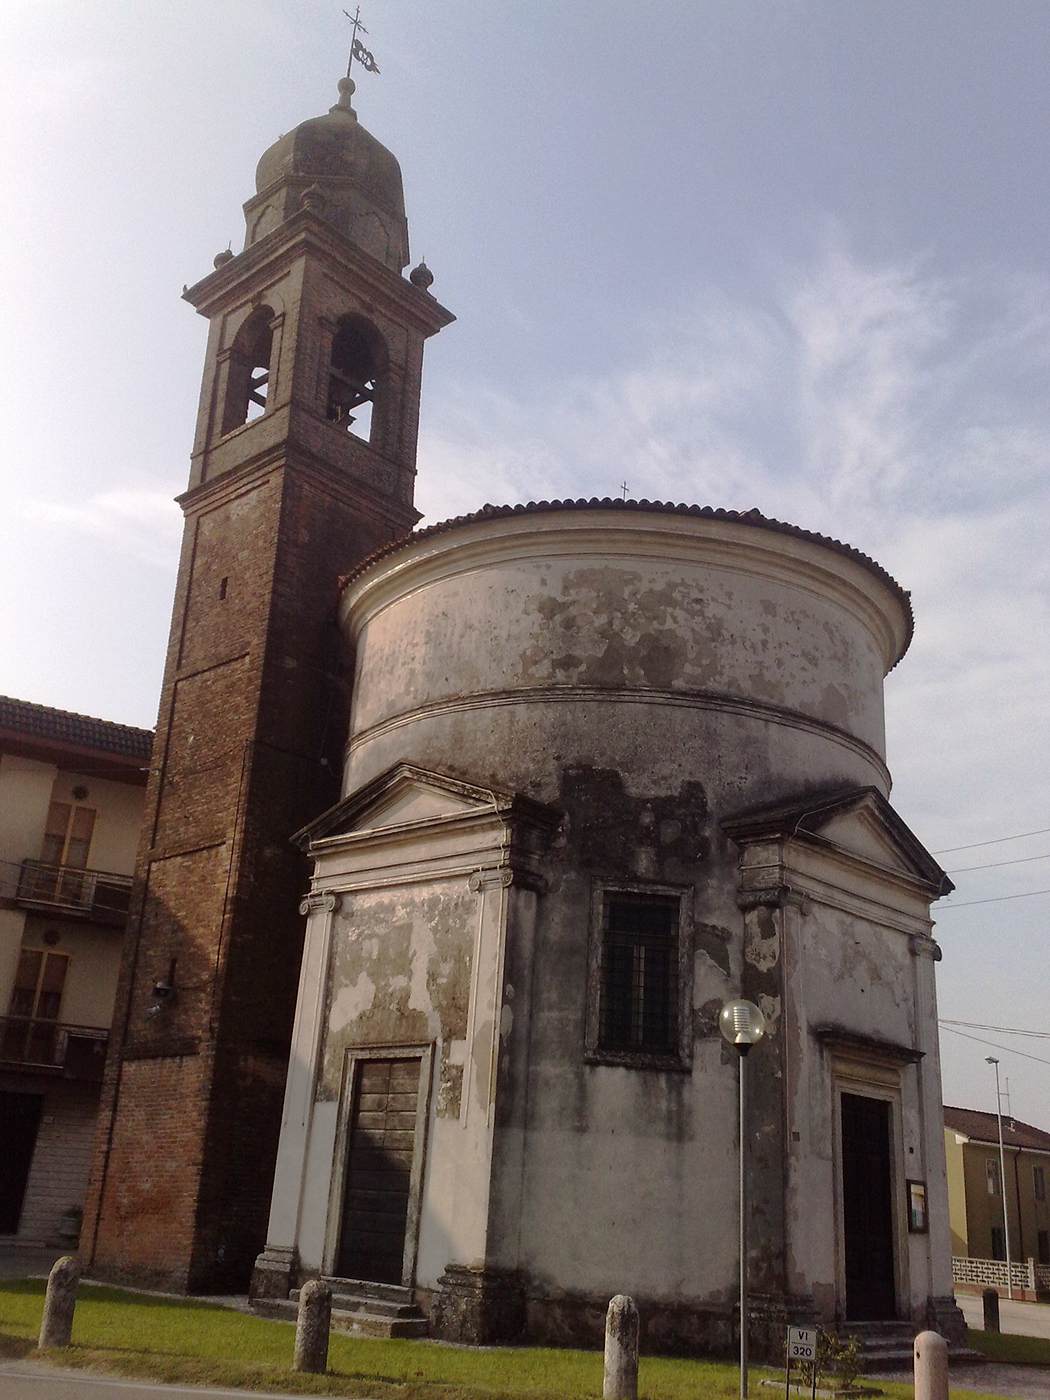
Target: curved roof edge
[(753, 517)]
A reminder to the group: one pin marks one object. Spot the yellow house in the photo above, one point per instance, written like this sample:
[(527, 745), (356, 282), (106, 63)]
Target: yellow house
[(985, 1218), (71, 797)]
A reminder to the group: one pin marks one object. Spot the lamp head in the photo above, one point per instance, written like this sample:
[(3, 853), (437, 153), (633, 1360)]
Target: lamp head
[(742, 1024), (990, 1060)]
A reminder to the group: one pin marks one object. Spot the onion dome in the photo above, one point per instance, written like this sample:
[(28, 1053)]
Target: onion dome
[(353, 180)]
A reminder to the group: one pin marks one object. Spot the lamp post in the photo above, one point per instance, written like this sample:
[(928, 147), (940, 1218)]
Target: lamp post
[(991, 1060), (742, 1025)]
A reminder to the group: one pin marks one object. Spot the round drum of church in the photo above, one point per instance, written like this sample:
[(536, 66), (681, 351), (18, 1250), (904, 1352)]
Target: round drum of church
[(609, 764)]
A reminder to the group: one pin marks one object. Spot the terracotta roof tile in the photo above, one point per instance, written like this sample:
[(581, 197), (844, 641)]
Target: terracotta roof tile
[(753, 517), (83, 731), (983, 1127)]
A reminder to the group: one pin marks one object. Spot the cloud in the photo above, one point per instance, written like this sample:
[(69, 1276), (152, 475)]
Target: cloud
[(143, 524), (906, 412), (882, 404)]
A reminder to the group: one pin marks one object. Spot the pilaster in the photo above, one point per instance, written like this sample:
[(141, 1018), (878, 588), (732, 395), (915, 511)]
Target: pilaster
[(274, 1272)]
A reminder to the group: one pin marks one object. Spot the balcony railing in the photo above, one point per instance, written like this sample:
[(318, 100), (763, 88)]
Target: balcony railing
[(75, 1052), (97, 894)]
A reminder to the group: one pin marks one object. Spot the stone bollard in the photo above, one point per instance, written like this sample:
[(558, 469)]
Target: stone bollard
[(312, 1327), (990, 1296), (931, 1367), (621, 1350), (56, 1325)]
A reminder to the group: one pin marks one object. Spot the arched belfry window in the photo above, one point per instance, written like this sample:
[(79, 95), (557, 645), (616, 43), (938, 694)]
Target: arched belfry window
[(248, 383), (355, 376)]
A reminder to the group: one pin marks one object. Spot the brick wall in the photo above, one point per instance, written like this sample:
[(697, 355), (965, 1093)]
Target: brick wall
[(249, 742), (249, 749)]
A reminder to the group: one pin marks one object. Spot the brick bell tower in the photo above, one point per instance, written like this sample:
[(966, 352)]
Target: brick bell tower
[(303, 463)]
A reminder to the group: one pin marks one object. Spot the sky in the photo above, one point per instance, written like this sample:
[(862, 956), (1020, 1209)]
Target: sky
[(779, 253)]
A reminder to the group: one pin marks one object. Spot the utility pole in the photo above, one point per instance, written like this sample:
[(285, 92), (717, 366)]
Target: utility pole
[(991, 1060)]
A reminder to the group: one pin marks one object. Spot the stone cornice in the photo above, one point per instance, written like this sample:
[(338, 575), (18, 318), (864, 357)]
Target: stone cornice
[(733, 545), (848, 1042), (307, 233), (781, 540), (643, 695), (352, 490)]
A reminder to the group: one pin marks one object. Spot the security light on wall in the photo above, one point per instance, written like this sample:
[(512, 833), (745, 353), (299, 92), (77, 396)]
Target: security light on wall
[(163, 992)]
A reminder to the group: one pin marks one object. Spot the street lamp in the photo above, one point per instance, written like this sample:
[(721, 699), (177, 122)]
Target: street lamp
[(742, 1025), (991, 1060)]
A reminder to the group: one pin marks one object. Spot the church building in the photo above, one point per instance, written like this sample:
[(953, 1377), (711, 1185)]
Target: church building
[(457, 841)]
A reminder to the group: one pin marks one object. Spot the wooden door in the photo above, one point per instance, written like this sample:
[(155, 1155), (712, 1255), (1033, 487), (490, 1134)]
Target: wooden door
[(380, 1148), (867, 1209), (20, 1116)]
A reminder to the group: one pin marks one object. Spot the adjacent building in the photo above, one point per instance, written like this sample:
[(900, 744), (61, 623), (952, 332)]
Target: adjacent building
[(983, 1206), (71, 791)]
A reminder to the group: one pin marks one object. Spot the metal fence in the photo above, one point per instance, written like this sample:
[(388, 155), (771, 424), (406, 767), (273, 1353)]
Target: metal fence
[(32, 1043), (97, 892)]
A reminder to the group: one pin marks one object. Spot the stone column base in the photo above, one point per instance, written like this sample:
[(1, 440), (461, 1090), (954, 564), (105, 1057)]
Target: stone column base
[(944, 1315), (274, 1274), (477, 1306)]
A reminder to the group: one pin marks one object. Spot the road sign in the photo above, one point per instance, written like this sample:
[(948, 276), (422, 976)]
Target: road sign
[(802, 1344)]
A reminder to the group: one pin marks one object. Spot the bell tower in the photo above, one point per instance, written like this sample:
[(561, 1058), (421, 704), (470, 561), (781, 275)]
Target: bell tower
[(303, 462)]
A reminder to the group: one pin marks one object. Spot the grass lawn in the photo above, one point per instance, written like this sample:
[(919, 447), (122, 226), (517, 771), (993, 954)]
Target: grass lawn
[(177, 1340), (1012, 1348)]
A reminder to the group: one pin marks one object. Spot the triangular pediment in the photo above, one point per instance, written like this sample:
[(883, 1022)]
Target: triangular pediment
[(858, 822), (406, 796)]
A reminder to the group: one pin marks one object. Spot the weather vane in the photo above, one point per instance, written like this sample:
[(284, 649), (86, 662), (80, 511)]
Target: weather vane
[(357, 49)]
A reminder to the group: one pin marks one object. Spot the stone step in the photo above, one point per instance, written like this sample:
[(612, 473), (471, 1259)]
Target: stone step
[(362, 1324), (359, 1288), (353, 1321), (375, 1307), (366, 1302)]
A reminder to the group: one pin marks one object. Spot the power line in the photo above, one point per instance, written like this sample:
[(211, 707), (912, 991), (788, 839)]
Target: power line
[(997, 899), (1008, 1049), (994, 865), (1005, 1030), (946, 850)]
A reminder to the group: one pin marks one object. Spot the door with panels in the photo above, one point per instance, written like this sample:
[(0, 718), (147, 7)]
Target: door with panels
[(382, 1148)]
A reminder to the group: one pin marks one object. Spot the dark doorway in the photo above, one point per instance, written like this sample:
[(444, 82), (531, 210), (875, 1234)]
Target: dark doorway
[(380, 1147), (867, 1209), (20, 1116)]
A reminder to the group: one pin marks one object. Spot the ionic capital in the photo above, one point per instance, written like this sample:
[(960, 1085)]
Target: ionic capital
[(326, 900)]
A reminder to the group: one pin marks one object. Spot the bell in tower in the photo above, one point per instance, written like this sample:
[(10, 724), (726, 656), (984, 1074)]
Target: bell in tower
[(303, 463)]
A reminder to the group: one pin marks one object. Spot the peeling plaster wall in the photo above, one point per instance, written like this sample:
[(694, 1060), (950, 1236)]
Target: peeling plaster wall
[(648, 680), (401, 970)]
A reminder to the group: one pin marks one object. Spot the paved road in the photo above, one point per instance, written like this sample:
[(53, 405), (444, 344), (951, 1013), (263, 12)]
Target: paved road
[(27, 1380), (1027, 1319)]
